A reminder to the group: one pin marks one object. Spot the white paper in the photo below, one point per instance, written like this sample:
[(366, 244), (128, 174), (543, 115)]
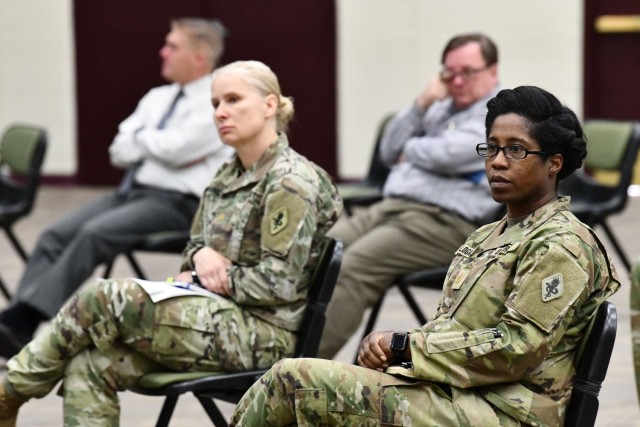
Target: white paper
[(159, 291)]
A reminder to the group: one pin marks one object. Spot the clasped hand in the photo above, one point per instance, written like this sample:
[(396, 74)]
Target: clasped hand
[(211, 268), (375, 350)]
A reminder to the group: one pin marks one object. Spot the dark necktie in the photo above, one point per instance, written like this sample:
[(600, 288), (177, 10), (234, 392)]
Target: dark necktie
[(163, 121), (129, 178)]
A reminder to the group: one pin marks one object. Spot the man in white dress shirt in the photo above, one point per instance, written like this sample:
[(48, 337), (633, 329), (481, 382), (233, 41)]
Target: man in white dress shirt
[(171, 141)]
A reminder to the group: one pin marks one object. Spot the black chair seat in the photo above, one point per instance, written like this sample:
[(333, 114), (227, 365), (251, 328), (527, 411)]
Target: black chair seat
[(169, 242)]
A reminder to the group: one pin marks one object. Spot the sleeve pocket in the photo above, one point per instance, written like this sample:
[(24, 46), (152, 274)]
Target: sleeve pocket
[(448, 341)]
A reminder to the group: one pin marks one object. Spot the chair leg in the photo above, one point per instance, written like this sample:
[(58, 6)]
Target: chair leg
[(616, 246), (213, 411), (135, 265), (373, 317), (167, 411), (16, 244), (4, 290), (408, 296), (108, 269)]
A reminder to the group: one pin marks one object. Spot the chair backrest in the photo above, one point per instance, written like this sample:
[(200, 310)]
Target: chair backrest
[(378, 171), (22, 151), (592, 358), (609, 144), (612, 147), (323, 282)]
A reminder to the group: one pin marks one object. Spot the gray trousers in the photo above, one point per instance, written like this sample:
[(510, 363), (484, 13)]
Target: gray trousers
[(388, 239), (67, 253)]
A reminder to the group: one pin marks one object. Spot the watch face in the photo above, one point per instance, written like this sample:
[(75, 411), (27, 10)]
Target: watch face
[(399, 342)]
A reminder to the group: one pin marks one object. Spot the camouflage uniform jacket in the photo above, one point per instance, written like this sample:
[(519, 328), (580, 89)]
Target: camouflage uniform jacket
[(269, 221), (514, 307)]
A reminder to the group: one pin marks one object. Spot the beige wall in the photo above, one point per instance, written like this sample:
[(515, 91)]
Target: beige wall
[(37, 74), (387, 51)]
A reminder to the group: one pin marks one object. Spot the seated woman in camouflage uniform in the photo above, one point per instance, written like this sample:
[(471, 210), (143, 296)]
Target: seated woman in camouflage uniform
[(255, 241), (517, 299)]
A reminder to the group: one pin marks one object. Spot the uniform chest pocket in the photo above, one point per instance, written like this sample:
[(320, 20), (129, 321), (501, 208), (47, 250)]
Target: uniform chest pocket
[(482, 285), (235, 227)]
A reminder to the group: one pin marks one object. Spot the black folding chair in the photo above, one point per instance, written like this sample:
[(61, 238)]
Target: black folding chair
[(592, 363), (168, 242), (22, 151), (369, 190)]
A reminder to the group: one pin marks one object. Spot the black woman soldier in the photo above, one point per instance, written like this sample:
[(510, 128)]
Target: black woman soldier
[(516, 302)]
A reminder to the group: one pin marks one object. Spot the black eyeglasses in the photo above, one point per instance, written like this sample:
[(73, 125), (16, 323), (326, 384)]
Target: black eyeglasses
[(517, 152), (467, 74)]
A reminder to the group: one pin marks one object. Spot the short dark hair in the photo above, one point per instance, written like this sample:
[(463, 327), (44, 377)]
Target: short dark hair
[(488, 48), (554, 126)]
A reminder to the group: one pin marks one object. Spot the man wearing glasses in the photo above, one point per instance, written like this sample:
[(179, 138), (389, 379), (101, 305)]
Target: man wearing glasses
[(435, 195)]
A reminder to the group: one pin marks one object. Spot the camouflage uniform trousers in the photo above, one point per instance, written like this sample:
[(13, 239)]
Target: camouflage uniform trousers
[(635, 319), (110, 334), (318, 392)]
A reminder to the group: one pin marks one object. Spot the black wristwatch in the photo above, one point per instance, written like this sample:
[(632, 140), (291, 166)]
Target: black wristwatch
[(399, 342)]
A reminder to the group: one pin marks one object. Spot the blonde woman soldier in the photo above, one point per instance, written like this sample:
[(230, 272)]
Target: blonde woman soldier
[(110, 334)]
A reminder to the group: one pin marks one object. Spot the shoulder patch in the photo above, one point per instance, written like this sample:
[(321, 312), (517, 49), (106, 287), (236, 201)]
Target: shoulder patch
[(278, 220), (552, 287), (283, 218)]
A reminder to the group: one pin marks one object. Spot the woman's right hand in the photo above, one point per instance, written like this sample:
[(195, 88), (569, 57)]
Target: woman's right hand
[(211, 268)]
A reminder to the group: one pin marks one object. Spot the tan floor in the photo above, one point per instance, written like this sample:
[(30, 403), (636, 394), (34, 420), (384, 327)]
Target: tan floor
[(618, 407)]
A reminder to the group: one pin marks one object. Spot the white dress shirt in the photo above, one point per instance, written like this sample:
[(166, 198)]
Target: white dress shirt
[(186, 153)]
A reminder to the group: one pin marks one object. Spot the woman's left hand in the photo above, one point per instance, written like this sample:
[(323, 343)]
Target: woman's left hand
[(211, 268)]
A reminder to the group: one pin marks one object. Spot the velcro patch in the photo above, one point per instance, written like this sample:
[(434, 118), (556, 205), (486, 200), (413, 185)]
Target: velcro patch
[(465, 251), (571, 282), (284, 214), (552, 287), (279, 220)]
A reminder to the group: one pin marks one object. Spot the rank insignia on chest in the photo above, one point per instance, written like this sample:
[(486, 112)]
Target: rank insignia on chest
[(278, 220), (552, 287)]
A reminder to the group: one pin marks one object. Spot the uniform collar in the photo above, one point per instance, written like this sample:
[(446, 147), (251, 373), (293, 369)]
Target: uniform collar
[(259, 170)]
